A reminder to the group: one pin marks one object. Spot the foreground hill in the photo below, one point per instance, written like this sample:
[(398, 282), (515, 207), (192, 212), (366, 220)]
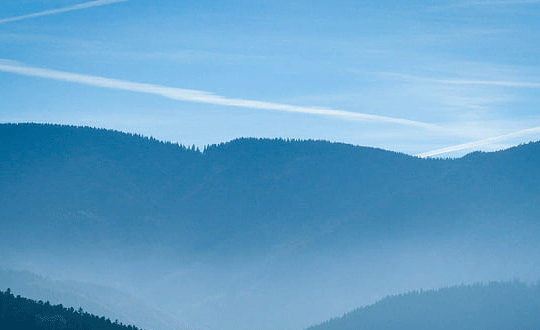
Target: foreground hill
[(99, 300), (510, 305), (26, 314)]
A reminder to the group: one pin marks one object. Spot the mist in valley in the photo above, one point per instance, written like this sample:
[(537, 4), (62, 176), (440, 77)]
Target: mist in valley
[(289, 289)]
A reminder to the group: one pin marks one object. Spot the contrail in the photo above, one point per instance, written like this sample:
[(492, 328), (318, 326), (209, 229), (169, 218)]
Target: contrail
[(84, 5), (199, 96), (479, 143)]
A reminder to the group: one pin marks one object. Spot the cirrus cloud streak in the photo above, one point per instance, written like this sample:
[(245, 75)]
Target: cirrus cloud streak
[(198, 96), (80, 6), (479, 143)]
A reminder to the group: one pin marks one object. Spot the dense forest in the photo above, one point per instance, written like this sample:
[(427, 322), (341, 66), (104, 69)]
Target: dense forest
[(493, 306), (18, 313), (119, 188)]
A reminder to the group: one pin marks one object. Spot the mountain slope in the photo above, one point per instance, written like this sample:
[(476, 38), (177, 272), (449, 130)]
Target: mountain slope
[(248, 189), (510, 305), (22, 313), (95, 299)]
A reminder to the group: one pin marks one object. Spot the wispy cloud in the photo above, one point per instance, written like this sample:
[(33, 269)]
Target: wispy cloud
[(459, 81), (502, 83), (80, 6), (480, 143), (190, 95), (487, 93)]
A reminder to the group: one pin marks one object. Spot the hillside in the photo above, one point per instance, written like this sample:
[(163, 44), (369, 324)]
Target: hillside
[(509, 305), (95, 299), (247, 190), (21, 313)]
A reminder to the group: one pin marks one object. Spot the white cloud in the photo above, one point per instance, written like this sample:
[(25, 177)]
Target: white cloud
[(480, 143), (85, 5), (190, 95)]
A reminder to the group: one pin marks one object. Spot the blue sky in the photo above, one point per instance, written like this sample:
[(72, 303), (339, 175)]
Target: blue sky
[(439, 78)]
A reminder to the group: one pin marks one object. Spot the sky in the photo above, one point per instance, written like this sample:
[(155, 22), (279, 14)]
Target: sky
[(427, 78)]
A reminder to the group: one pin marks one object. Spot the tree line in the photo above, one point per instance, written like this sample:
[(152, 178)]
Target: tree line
[(21, 313)]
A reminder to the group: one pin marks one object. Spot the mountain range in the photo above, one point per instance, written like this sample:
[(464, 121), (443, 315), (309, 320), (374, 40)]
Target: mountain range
[(226, 234)]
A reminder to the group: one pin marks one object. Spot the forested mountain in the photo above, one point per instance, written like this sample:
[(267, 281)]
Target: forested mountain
[(248, 190), (20, 313), (494, 306), (221, 237)]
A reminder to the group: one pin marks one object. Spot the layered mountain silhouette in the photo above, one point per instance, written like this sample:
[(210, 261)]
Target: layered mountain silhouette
[(221, 237)]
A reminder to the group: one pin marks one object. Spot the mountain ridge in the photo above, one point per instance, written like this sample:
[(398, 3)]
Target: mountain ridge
[(66, 172), (495, 305)]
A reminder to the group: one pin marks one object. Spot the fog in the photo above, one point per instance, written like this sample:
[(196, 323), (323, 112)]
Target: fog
[(296, 287)]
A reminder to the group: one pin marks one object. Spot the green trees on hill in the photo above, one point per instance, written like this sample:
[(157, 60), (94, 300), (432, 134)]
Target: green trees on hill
[(18, 313)]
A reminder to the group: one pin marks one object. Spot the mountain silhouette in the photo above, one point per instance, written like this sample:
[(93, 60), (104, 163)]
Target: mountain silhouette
[(506, 305), (94, 181), (98, 300), (26, 314)]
